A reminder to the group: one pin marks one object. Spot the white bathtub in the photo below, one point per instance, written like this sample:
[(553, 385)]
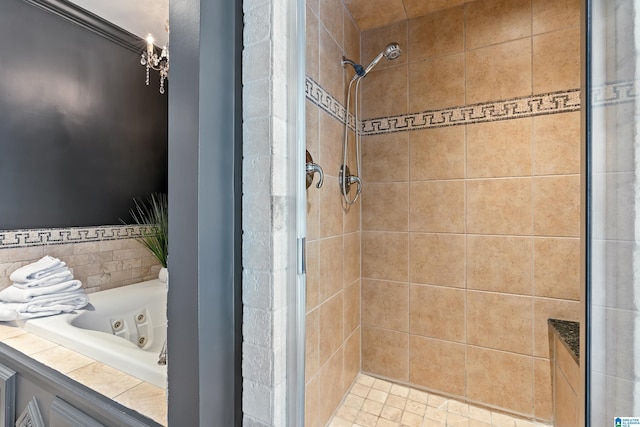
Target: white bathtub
[(124, 328)]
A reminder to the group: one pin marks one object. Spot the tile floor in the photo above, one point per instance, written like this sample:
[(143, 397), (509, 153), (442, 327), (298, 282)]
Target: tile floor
[(372, 402)]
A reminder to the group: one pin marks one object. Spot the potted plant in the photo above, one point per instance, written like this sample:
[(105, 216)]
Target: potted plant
[(152, 217)]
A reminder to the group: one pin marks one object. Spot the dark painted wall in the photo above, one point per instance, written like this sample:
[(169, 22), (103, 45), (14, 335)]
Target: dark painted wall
[(80, 132)]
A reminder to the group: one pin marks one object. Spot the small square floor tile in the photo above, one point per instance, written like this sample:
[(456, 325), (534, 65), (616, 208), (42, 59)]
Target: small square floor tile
[(381, 385), (415, 407), (390, 413), (377, 395), (372, 407), (399, 390)]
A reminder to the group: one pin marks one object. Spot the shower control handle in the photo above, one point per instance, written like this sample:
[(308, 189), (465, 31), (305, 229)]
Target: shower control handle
[(312, 169), (345, 180)]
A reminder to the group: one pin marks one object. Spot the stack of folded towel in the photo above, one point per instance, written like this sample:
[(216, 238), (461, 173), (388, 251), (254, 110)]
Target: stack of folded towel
[(43, 288)]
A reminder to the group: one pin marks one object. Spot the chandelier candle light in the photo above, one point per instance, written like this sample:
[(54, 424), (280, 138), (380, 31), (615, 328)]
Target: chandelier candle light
[(151, 60)]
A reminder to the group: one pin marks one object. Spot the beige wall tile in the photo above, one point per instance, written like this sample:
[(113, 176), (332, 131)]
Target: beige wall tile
[(312, 52), (313, 213), (499, 206), (314, 5), (331, 71), (351, 258), (436, 34), (370, 14), (566, 407), (312, 403), (500, 321), (551, 15), (512, 389), (494, 21), (437, 153), (385, 157), (331, 387), (312, 352), (351, 216), (437, 206), (437, 259), (417, 8), (437, 83), (351, 39), (351, 314), (557, 268), (499, 72), (384, 92), (385, 353), (331, 324), (331, 17), (330, 142), (385, 206), (385, 256), (556, 202), (312, 123), (569, 367), (502, 148), (547, 308), (556, 60), (330, 208), (438, 312), (331, 267), (385, 304), (500, 264), (437, 364), (351, 358), (557, 143), (313, 273), (375, 40), (542, 393)]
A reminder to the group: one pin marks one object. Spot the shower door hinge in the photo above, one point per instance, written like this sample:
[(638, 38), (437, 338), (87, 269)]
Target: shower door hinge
[(302, 255)]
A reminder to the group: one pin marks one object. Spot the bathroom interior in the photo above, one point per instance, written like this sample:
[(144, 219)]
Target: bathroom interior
[(468, 234)]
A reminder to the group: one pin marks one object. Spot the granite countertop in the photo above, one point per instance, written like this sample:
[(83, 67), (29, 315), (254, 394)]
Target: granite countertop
[(569, 334)]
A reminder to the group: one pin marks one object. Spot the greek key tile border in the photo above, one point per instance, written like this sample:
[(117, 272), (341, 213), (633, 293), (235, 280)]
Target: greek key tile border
[(620, 92), (60, 236), (319, 97), (515, 108)]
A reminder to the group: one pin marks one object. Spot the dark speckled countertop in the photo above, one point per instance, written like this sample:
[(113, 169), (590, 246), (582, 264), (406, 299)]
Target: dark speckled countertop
[(569, 334)]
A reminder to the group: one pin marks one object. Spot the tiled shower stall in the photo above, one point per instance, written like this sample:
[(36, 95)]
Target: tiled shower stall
[(466, 238)]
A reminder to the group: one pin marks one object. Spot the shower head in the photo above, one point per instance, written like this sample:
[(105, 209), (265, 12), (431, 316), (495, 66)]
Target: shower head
[(391, 51)]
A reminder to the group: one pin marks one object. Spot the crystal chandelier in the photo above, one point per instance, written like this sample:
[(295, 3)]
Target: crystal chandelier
[(151, 60)]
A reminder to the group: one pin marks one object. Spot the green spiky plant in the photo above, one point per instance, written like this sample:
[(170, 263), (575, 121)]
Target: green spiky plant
[(153, 218)]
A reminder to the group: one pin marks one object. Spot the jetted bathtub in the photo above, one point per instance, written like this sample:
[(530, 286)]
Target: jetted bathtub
[(125, 328)]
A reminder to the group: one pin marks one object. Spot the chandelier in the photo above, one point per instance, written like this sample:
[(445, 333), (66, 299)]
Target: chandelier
[(151, 60)]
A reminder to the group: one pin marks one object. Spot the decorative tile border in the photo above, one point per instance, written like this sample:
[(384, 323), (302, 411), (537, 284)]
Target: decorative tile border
[(318, 96), (536, 105), (59, 236), (621, 92), (515, 108)]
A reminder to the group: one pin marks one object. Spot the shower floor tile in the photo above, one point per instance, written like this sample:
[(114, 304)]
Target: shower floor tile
[(372, 402)]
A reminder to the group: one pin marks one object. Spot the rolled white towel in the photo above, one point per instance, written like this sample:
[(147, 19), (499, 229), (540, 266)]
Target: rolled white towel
[(17, 294), (44, 266), (46, 305)]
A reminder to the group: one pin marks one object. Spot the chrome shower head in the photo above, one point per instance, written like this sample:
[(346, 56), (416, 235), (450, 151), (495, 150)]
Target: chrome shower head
[(391, 51)]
